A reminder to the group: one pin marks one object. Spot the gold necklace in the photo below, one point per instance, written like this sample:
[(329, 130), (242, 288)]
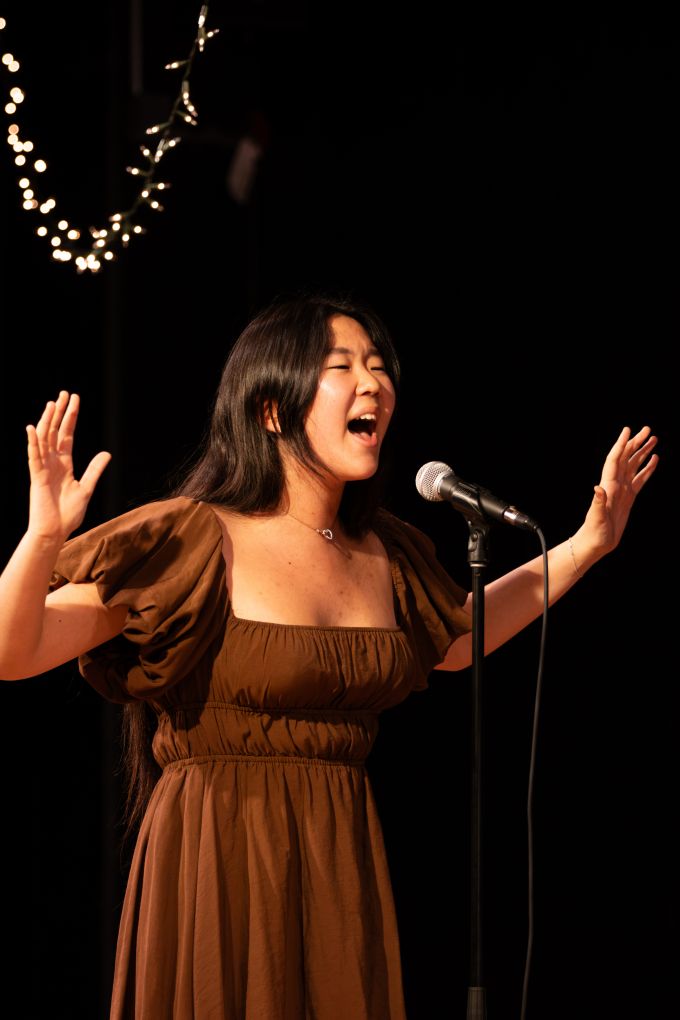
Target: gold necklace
[(326, 533)]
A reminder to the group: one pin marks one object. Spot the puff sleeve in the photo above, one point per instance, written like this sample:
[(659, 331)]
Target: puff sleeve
[(164, 561), (431, 603)]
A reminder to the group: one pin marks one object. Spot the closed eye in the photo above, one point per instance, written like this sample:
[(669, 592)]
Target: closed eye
[(347, 368), (372, 368)]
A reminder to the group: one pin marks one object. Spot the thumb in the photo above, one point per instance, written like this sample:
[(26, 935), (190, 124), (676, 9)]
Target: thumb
[(94, 470), (600, 497)]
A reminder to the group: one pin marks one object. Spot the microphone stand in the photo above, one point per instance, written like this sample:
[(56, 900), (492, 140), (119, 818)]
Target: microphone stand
[(478, 559), (436, 481)]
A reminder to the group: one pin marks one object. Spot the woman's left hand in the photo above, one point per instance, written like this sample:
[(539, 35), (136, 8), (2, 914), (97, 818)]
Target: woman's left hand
[(627, 468)]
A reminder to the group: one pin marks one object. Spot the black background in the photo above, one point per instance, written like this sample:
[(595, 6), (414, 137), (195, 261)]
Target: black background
[(501, 186)]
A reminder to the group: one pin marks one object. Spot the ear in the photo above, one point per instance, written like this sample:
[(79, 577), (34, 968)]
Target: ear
[(270, 416)]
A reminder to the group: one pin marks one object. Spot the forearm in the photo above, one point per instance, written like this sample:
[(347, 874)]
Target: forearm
[(513, 601), (24, 585)]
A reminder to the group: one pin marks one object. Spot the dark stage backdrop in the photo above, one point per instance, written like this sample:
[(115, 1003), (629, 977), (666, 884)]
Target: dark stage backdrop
[(500, 187)]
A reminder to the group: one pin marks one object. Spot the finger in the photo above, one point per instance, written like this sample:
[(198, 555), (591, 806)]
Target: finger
[(638, 439), (620, 444), (43, 426), (624, 435), (53, 431), (68, 424), (643, 476), (93, 472), (35, 461), (643, 452)]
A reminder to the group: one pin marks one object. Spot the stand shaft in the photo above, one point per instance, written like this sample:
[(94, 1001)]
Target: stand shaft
[(477, 557)]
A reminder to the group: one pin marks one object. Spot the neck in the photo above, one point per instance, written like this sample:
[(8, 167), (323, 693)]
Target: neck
[(314, 500)]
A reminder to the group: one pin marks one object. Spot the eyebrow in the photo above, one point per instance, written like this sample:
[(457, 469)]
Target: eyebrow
[(371, 353)]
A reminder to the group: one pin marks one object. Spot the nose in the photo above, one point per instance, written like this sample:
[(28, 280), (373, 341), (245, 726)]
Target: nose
[(367, 381)]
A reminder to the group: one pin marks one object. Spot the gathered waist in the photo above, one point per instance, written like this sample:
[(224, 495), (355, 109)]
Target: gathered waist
[(214, 731), (260, 759)]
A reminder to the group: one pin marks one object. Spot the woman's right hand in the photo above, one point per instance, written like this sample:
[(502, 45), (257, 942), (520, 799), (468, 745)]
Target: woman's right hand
[(57, 500)]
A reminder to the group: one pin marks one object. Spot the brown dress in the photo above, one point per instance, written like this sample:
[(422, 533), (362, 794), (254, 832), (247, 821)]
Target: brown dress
[(259, 888)]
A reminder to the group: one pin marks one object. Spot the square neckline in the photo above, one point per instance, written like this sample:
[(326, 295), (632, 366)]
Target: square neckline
[(395, 583)]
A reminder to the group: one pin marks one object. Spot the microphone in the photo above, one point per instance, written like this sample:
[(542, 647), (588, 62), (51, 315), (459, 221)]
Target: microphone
[(436, 482)]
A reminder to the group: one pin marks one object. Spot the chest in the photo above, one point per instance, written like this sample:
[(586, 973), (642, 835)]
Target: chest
[(309, 581)]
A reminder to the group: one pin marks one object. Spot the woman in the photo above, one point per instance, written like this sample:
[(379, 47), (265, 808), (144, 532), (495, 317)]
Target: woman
[(265, 614)]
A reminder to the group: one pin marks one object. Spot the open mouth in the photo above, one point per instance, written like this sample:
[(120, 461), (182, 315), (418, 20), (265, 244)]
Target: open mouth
[(363, 426)]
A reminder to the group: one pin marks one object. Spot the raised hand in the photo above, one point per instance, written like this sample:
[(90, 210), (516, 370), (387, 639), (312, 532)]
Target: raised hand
[(58, 500), (627, 468)]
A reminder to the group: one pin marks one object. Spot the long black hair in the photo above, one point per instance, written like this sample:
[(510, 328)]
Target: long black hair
[(277, 361)]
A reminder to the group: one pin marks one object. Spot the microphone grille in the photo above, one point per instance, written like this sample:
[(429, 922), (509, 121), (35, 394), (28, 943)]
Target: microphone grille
[(428, 478)]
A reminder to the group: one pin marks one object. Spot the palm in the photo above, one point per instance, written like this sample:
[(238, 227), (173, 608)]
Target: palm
[(58, 500)]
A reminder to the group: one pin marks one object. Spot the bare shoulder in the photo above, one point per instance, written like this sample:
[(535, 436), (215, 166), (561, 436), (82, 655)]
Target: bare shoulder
[(231, 524), (240, 532), (372, 541), (223, 515)]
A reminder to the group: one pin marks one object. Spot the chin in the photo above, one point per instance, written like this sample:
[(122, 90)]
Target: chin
[(361, 476)]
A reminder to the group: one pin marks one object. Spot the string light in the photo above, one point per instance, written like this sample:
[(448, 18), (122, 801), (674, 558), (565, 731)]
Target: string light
[(122, 224)]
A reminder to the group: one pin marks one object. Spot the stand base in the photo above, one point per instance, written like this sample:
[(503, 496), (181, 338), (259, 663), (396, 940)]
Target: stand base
[(476, 1004)]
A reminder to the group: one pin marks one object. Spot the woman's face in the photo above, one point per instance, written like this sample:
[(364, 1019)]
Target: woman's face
[(348, 419)]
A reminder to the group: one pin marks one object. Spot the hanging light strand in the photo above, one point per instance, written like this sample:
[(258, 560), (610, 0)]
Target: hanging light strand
[(65, 240)]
